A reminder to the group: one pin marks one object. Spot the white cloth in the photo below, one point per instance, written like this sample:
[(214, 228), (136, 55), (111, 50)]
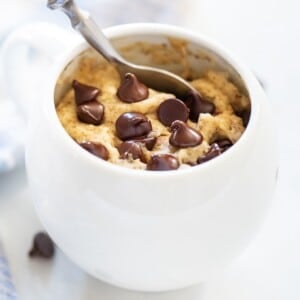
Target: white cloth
[(7, 289)]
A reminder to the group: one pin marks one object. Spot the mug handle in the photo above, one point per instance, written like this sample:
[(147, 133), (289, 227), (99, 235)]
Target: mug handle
[(27, 55)]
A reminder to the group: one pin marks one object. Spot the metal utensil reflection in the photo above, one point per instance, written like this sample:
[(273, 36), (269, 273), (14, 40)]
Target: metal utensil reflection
[(155, 78)]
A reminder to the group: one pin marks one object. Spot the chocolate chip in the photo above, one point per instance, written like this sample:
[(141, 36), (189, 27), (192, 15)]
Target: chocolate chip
[(171, 110), (131, 125), (192, 164), (213, 152), (224, 144), (42, 246), (96, 149), (148, 141), (245, 116), (162, 162), (195, 102), (131, 149), (131, 90), (91, 112), (84, 93), (184, 136)]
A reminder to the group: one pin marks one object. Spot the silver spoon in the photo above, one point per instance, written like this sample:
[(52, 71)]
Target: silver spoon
[(155, 78)]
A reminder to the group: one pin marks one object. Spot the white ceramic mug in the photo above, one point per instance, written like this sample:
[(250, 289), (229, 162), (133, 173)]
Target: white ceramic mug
[(145, 230)]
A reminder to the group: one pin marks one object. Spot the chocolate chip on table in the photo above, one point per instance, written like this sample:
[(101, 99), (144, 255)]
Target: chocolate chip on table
[(183, 136), (132, 90), (195, 102), (224, 144), (96, 148), (42, 246), (171, 110), (131, 149), (131, 125), (163, 162), (149, 141), (84, 93), (213, 152), (91, 112)]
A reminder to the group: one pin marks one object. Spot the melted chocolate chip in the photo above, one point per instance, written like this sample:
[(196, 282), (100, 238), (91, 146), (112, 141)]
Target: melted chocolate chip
[(91, 112), (96, 149), (131, 90), (197, 105), (148, 141), (131, 149), (171, 110), (42, 246), (224, 144), (163, 162), (184, 136), (84, 93), (132, 125), (213, 152)]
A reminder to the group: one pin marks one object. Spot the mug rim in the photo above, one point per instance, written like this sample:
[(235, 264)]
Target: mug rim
[(127, 30)]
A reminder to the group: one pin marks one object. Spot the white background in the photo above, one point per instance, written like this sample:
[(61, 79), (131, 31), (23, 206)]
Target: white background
[(265, 35)]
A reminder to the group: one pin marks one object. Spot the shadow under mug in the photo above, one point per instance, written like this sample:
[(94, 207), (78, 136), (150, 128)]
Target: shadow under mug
[(141, 230)]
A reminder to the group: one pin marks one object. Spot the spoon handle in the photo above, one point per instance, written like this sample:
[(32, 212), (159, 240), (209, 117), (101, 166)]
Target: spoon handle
[(82, 22)]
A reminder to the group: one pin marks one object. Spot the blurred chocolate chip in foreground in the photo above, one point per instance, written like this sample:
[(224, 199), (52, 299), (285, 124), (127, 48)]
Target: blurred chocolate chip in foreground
[(42, 246)]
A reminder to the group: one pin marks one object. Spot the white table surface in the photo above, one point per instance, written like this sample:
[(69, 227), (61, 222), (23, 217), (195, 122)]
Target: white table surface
[(265, 34)]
